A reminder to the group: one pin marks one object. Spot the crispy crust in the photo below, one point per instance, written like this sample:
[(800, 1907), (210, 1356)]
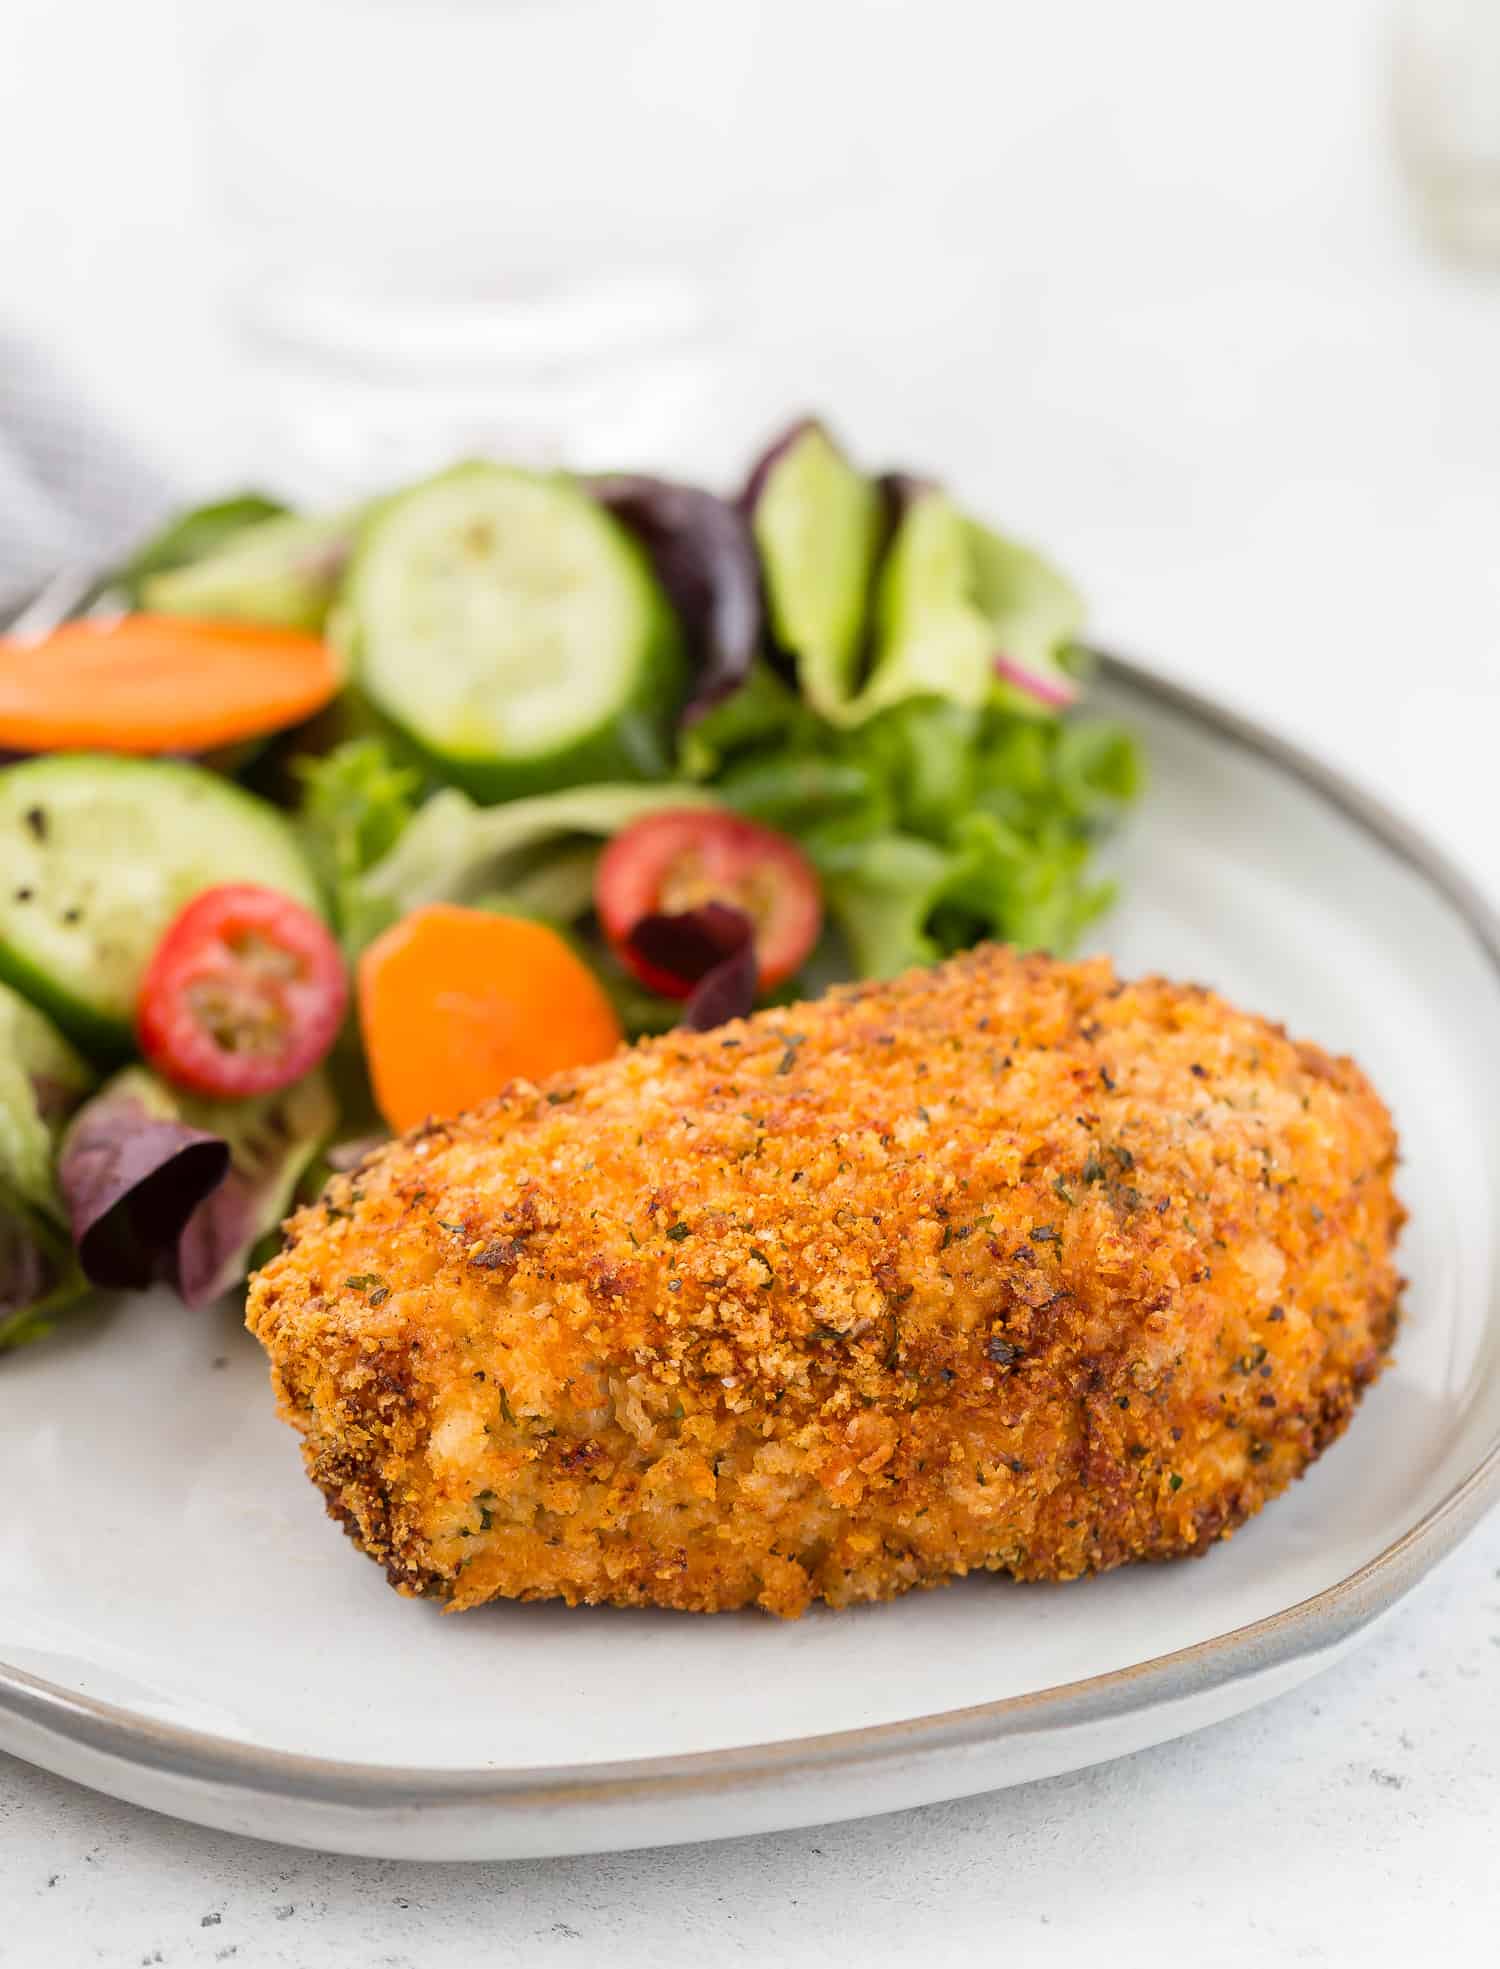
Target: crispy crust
[(1004, 1265)]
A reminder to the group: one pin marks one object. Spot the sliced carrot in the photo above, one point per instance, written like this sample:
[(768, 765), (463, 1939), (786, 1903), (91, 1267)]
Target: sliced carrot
[(158, 683), (453, 1003)]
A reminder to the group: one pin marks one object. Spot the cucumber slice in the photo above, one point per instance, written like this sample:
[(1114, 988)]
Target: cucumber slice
[(514, 633), (97, 855), (280, 573), (817, 523)]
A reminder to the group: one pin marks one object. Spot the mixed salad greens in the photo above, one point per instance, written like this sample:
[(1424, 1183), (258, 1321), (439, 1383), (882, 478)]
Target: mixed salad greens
[(318, 824)]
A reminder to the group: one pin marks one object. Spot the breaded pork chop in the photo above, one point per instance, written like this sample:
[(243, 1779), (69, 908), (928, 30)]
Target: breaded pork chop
[(1005, 1265)]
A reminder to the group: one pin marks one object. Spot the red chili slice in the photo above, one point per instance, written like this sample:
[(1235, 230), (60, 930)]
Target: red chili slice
[(245, 993), (674, 862)]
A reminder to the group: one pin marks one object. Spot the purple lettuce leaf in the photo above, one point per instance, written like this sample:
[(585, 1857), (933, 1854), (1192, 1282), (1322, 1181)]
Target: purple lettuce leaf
[(132, 1172), (769, 459), (703, 554), (163, 1188), (214, 1243), (271, 1143), (724, 993), (39, 1275), (901, 490), (688, 943), (710, 948)]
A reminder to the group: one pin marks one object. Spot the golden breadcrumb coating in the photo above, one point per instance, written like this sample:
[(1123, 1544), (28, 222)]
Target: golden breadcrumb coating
[(1004, 1265)]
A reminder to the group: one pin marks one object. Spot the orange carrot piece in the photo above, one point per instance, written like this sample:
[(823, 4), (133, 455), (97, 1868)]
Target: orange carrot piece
[(159, 683), (453, 1003)]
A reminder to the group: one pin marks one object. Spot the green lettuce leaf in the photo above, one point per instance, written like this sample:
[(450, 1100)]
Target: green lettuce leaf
[(817, 522), (39, 1273), (932, 638), (282, 571), (946, 608), (880, 893), (455, 851), (192, 536), (355, 804), (1033, 615), (42, 1080), (934, 825), (763, 712), (556, 886)]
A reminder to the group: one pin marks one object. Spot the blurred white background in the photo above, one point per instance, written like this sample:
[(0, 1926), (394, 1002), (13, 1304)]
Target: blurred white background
[(1140, 279)]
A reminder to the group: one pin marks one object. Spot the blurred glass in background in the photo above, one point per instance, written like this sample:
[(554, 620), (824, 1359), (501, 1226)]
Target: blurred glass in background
[(476, 225), (1445, 102)]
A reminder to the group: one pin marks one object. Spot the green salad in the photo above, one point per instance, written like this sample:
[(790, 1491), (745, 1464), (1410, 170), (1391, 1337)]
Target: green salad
[(320, 823)]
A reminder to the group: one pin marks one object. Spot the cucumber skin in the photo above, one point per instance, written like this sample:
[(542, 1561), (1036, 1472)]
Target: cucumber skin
[(637, 746), (104, 1040), (640, 745)]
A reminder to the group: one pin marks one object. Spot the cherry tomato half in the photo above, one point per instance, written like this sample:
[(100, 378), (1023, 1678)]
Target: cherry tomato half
[(245, 993), (674, 861)]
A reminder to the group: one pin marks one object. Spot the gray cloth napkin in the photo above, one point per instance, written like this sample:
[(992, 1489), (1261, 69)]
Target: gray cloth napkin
[(73, 490)]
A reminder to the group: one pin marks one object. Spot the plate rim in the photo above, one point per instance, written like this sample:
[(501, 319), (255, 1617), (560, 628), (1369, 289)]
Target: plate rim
[(1316, 1625)]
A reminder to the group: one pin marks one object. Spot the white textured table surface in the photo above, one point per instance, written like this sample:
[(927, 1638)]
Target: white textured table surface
[(1165, 318), (1353, 1821)]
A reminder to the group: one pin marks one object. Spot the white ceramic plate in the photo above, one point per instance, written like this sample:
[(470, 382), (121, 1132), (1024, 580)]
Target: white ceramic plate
[(180, 1624)]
